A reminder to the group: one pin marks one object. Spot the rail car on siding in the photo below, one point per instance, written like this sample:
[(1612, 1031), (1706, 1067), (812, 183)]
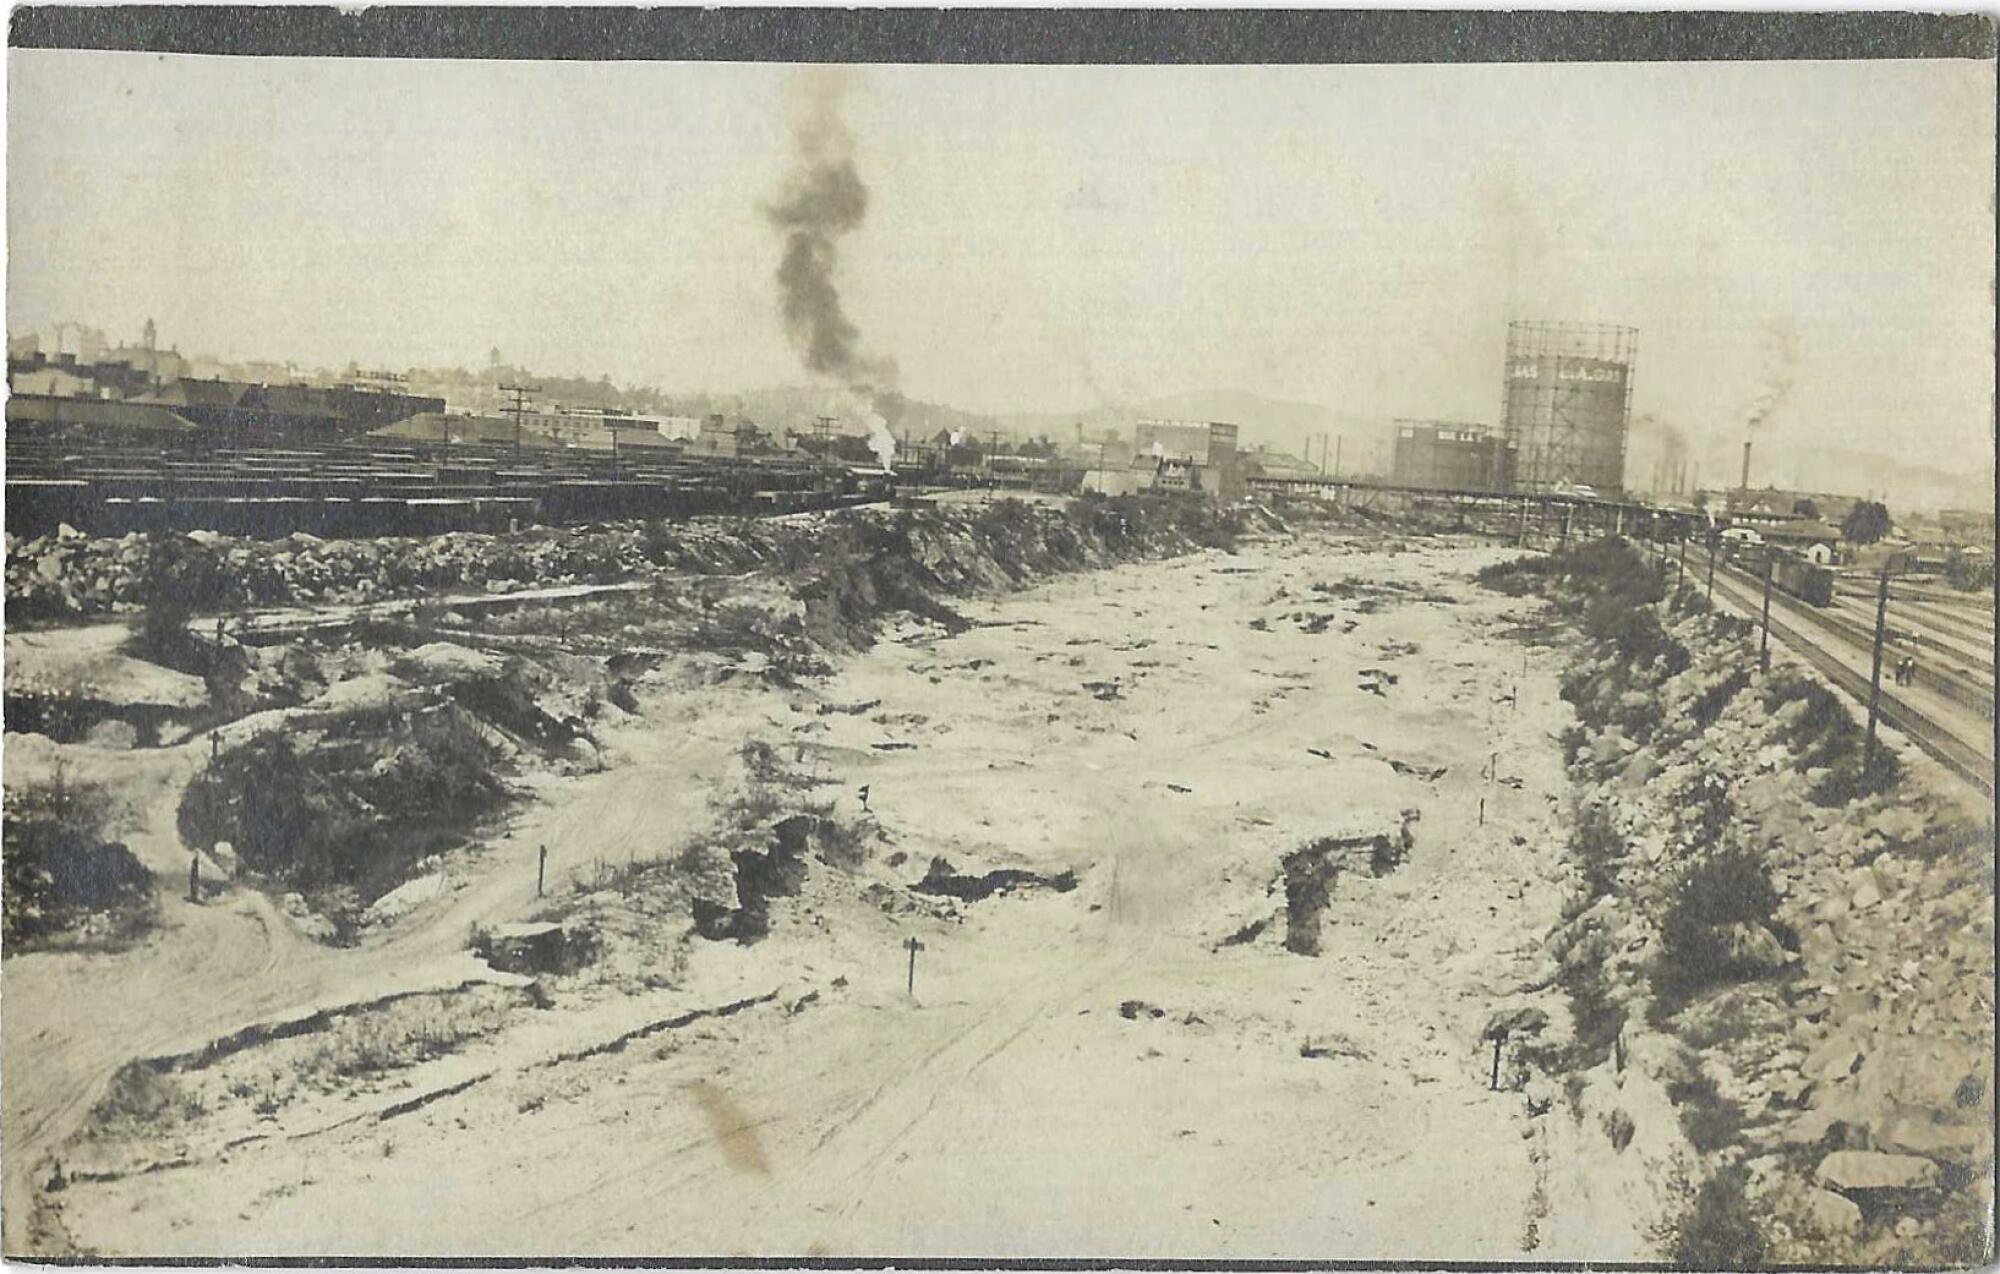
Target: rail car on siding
[(1807, 581)]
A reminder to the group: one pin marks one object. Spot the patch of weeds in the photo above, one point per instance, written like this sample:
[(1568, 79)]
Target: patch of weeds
[(64, 881), (1710, 1120), (1597, 848), (1706, 708), (1715, 1227), (1718, 891)]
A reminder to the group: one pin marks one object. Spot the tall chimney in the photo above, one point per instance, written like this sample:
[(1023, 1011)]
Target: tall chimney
[(1746, 464)]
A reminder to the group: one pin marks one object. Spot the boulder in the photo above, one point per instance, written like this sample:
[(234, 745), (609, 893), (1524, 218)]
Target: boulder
[(1918, 1135), (1642, 768), (1756, 946), (1854, 1170), (1899, 824), (1832, 1213), (1930, 1074), (1605, 749)]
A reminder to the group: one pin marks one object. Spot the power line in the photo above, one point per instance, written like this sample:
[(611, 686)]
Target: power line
[(519, 406)]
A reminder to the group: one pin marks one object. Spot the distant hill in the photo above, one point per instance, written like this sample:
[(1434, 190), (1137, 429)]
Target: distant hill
[(1904, 487)]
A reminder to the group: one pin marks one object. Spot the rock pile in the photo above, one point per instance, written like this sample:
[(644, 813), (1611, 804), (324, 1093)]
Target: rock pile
[(70, 575), (1843, 1054)]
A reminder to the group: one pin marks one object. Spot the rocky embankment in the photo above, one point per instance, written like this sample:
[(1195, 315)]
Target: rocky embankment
[(70, 575), (1795, 945)]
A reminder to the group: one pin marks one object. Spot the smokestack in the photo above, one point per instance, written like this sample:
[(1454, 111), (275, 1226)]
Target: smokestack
[(1746, 465)]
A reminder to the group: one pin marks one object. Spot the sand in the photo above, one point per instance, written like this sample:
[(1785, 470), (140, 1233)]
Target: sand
[(1166, 731)]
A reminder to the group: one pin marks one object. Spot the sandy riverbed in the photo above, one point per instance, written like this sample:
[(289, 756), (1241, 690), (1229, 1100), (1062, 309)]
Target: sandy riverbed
[(1009, 1107)]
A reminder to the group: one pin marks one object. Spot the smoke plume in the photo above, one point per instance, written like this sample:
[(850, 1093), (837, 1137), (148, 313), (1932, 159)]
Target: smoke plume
[(1780, 359), (821, 201)]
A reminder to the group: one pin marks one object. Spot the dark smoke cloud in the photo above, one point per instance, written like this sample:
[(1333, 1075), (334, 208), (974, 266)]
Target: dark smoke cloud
[(822, 200)]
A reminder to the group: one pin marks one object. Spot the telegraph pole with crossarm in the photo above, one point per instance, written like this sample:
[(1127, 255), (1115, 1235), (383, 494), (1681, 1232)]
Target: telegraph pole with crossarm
[(519, 407)]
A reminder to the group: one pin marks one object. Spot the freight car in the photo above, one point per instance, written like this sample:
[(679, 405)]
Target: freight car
[(1807, 581)]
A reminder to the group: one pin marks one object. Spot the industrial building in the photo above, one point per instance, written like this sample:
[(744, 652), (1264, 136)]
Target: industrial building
[(1567, 408), (1190, 455), (1449, 455)]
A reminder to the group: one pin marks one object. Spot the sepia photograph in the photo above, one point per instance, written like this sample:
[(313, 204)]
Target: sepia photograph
[(876, 638)]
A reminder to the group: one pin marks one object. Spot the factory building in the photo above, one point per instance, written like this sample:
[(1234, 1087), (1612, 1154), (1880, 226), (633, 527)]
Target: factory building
[(1568, 404), (1190, 455), (1449, 455)]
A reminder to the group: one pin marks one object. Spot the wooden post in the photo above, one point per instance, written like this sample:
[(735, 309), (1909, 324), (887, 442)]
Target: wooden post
[(1680, 580), (1711, 567), (914, 947), (194, 877), (1875, 673), (1764, 645), (1494, 1084), (541, 869), (1482, 811)]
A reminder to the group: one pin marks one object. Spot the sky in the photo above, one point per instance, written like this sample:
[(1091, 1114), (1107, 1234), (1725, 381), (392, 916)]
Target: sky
[(1049, 239)]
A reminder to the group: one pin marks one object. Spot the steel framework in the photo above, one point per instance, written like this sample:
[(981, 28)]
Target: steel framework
[(1566, 403)]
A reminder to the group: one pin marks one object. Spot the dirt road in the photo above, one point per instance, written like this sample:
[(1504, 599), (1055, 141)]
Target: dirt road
[(1097, 1072)]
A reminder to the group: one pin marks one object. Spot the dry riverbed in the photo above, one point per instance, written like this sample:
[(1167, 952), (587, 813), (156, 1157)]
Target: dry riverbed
[(1132, 1064)]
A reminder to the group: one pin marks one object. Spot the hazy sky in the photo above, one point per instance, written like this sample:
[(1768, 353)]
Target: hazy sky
[(1048, 238)]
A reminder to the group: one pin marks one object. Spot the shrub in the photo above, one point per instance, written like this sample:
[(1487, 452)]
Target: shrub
[(1706, 708), (354, 811), (1721, 889), (1715, 1229), (59, 869), (1596, 846), (1710, 1120), (1824, 735), (1706, 811), (181, 579)]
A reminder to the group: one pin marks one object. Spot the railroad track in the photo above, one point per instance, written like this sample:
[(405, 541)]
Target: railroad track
[(1951, 624), (1950, 683), (1969, 656), (1856, 623), (1932, 736)]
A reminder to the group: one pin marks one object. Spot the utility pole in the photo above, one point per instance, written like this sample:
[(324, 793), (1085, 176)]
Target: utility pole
[(1711, 565), (1336, 454), (1680, 581), (1764, 646), (1875, 673), (913, 946), (519, 406)]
